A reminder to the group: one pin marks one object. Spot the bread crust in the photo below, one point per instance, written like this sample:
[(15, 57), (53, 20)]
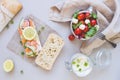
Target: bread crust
[(12, 5)]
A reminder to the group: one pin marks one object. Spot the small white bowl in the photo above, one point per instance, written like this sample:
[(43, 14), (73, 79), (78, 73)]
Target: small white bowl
[(85, 72)]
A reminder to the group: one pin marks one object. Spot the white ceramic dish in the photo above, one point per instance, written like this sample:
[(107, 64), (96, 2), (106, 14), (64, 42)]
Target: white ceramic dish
[(85, 71)]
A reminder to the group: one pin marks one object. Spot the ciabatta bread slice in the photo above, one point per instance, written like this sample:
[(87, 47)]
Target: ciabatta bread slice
[(49, 52)]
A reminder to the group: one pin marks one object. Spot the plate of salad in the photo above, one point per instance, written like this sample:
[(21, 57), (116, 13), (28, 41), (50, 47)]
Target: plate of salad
[(84, 25)]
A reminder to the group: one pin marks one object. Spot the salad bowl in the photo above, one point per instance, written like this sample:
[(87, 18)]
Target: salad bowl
[(84, 24)]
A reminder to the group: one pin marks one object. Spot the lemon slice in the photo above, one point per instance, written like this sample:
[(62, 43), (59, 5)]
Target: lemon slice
[(8, 65), (29, 33)]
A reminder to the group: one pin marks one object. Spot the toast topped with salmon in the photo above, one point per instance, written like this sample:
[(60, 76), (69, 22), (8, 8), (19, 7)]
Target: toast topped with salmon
[(29, 37)]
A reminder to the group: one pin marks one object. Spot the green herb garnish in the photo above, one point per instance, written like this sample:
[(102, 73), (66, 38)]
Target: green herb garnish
[(78, 65), (21, 42), (42, 28), (39, 32), (80, 69), (25, 47), (22, 53), (85, 64), (73, 62), (89, 25), (11, 22), (21, 71), (34, 54)]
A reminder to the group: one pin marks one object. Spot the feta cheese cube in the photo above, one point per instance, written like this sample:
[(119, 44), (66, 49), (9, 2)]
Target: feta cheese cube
[(82, 26), (87, 21), (97, 27), (74, 20)]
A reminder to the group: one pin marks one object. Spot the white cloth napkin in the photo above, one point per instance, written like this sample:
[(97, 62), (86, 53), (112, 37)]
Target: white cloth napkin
[(108, 17)]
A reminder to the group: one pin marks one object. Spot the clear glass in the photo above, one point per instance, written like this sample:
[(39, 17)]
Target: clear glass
[(101, 57)]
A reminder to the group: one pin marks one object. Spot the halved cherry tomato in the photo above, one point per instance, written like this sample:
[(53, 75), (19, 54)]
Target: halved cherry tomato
[(93, 22), (86, 29), (78, 31), (87, 15), (71, 37), (81, 16)]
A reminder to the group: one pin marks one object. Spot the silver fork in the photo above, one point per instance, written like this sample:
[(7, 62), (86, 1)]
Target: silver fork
[(102, 37)]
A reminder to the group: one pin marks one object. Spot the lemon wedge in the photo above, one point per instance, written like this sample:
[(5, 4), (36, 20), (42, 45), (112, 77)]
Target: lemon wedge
[(29, 33), (8, 65)]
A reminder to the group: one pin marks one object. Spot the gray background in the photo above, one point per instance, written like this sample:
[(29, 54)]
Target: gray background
[(40, 8)]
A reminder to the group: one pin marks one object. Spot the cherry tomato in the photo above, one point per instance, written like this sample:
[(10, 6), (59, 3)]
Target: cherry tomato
[(78, 31), (93, 22), (81, 16), (86, 29), (71, 37), (87, 15)]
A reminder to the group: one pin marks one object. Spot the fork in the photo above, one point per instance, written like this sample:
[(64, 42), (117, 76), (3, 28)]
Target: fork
[(102, 37)]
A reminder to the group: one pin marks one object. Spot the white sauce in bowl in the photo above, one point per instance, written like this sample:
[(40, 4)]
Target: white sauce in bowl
[(81, 65)]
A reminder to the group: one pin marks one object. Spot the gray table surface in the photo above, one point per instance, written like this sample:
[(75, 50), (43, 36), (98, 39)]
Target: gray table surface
[(40, 8)]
